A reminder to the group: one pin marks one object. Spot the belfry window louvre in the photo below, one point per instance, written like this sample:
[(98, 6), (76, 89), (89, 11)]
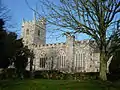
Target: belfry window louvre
[(38, 32), (27, 32)]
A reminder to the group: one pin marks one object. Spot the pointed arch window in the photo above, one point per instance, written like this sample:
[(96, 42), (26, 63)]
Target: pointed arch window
[(43, 62), (38, 32), (26, 41), (27, 31)]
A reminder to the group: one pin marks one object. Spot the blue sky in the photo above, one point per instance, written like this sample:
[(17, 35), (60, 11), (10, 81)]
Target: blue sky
[(20, 10)]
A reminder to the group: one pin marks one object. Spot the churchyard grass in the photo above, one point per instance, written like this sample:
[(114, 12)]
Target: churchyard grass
[(41, 84)]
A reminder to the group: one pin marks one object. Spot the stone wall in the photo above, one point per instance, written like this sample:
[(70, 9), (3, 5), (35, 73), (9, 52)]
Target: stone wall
[(71, 56)]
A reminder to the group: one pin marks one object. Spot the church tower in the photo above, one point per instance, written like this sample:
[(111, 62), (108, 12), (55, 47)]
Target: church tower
[(34, 32)]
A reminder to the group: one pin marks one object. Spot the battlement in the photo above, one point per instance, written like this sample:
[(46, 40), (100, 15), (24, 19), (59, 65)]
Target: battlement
[(61, 44), (82, 42), (31, 22), (49, 45), (24, 23)]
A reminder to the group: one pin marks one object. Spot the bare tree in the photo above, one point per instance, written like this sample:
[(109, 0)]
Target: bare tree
[(4, 12), (5, 15), (96, 18)]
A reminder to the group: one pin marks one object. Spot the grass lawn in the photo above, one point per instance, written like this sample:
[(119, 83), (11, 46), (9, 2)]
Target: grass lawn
[(38, 84)]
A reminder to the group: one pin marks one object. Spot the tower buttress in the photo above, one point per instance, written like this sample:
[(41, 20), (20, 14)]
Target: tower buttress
[(70, 51)]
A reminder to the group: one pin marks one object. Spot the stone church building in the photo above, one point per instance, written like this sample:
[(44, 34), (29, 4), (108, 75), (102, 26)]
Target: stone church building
[(71, 56)]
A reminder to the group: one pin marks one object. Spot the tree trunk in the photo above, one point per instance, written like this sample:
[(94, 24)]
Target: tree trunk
[(103, 66), (31, 69)]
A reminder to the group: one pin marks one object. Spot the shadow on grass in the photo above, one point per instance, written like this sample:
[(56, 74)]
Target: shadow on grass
[(38, 84)]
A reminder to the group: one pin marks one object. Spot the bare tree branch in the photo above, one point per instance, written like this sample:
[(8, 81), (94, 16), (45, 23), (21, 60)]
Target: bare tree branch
[(92, 17)]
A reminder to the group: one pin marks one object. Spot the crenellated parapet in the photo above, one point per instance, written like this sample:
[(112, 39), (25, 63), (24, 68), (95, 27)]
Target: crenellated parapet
[(82, 42), (48, 45), (29, 22)]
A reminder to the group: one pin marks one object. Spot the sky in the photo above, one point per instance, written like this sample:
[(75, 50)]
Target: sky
[(20, 10)]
